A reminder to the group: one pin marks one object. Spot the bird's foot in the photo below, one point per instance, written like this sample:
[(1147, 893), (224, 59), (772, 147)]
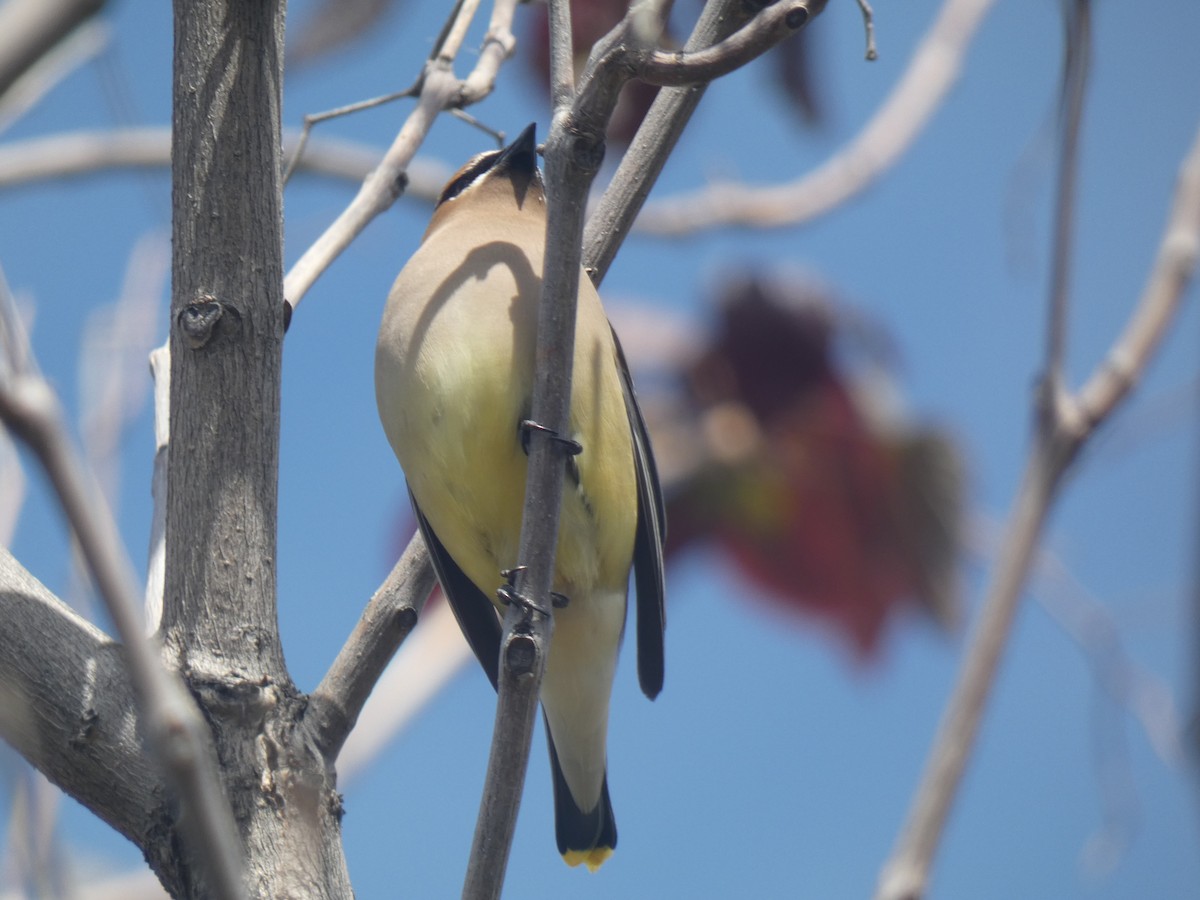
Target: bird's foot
[(508, 593), (528, 426)]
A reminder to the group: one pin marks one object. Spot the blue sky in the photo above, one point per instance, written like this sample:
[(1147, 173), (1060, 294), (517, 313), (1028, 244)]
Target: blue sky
[(771, 765)]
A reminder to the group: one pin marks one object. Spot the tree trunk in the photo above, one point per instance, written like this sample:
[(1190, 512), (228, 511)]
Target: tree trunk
[(219, 624)]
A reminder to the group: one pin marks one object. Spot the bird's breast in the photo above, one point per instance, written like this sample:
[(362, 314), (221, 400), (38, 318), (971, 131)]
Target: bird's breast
[(454, 378)]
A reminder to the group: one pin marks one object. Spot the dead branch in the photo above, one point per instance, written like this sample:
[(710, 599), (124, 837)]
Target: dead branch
[(910, 106)]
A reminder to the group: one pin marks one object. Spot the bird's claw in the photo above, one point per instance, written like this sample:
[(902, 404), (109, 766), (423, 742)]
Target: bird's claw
[(509, 595), (574, 448)]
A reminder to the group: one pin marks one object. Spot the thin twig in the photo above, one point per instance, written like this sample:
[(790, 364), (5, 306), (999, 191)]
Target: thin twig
[(562, 56), (1157, 306), (156, 565), (909, 107), (701, 66), (1074, 79), (82, 153), (452, 39), (440, 90), (172, 723), (463, 116), (868, 15), (310, 121), (389, 617)]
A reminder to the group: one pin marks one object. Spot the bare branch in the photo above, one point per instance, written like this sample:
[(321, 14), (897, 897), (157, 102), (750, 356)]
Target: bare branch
[(434, 653), (29, 28), (310, 121), (910, 106), (1074, 83), (452, 38), (176, 730), (1160, 299), (498, 45), (1062, 431), (67, 704), (652, 145), (334, 706), (571, 164), (562, 56), (156, 566), (868, 15), (762, 33), (906, 873), (83, 153), (440, 90), (82, 45)]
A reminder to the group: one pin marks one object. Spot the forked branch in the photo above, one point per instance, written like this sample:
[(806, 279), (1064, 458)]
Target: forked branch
[(1067, 421)]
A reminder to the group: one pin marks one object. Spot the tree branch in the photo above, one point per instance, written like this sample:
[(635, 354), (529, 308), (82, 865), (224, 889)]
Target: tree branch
[(333, 708), (910, 106), (440, 90), (30, 28), (763, 32), (1074, 81), (68, 706), (528, 624), (1062, 431), (1156, 308), (573, 153), (86, 42), (428, 660), (82, 153), (226, 339), (652, 145), (340, 696), (173, 725), (219, 622)]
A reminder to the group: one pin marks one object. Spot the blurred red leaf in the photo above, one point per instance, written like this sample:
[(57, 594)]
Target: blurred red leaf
[(820, 506)]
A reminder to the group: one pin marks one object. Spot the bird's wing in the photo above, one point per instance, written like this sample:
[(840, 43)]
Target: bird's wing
[(474, 611), (647, 543)]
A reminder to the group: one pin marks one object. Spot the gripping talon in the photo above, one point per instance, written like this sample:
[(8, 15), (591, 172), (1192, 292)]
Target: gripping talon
[(574, 448), (510, 575), (509, 595)]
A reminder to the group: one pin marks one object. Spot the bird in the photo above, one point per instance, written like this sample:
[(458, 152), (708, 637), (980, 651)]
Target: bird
[(454, 375)]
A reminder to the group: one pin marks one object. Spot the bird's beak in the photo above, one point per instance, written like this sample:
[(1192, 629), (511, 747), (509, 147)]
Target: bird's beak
[(520, 157)]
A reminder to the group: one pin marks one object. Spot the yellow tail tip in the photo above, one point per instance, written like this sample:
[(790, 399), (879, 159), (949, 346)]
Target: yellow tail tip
[(594, 858)]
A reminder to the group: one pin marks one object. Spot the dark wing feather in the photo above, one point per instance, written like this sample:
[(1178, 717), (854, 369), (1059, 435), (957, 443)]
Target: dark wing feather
[(647, 544), (475, 613)]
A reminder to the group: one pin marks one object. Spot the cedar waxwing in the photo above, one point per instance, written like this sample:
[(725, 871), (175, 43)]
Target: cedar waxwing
[(454, 371)]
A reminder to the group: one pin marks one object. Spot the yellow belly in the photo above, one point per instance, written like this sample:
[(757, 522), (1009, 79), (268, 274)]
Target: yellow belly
[(454, 378)]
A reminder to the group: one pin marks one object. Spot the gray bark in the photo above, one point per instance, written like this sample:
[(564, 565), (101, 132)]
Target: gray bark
[(67, 705), (219, 623)]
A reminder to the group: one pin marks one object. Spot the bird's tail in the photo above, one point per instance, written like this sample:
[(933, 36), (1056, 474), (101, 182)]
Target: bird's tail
[(583, 836)]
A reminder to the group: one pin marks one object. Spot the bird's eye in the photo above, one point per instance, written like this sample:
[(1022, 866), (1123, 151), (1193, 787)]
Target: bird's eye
[(467, 175)]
